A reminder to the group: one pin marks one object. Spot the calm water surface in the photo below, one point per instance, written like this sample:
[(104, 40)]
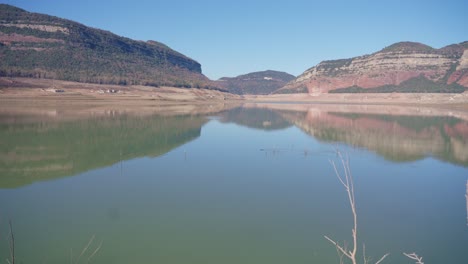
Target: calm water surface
[(244, 185)]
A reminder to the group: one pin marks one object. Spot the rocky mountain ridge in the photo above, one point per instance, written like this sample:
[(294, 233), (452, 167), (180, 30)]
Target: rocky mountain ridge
[(42, 46), (401, 67)]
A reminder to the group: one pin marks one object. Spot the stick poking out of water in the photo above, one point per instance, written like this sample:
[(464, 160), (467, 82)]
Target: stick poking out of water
[(414, 256), (85, 250), (466, 196), (346, 180), (12, 245)]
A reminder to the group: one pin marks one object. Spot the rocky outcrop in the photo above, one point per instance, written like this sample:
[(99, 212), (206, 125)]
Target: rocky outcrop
[(401, 67)]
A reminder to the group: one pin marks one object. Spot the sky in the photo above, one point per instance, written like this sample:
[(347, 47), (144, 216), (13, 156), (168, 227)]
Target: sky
[(235, 37)]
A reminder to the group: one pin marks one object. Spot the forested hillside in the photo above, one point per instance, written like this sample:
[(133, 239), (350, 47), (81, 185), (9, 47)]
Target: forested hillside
[(42, 46)]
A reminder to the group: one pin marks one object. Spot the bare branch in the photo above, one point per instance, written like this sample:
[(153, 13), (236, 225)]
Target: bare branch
[(338, 247), (95, 251), (364, 258), (12, 245), (466, 196), (338, 175), (346, 179), (382, 258), (340, 255), (85, 249), (414, 256)]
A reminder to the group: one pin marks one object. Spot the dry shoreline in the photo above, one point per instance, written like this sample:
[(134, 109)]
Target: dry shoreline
[(432, 99), (51, 92)]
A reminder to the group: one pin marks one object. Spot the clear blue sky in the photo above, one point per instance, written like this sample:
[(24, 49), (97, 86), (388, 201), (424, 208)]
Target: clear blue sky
[(239, 36)]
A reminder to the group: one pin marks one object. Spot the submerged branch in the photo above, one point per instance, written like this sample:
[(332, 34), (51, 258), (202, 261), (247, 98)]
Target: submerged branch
[(12, 245), (85, 249), (382, 258), (466, 196), (338, 247), (414, 256), (346, 179), (95, 251)]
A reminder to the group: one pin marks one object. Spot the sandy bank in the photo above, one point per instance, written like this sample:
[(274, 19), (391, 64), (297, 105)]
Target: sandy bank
[(377, 98), (51, 90), (42, 91)]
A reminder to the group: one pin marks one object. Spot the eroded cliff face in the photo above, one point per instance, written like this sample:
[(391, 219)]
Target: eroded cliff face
[(390, 67), (460, 75), (41, 46)]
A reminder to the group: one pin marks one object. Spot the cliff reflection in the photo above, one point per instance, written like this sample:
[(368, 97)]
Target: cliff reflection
[(403, 136), (41, 147)]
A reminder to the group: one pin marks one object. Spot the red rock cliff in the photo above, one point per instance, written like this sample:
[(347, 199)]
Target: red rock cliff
[(391, 66)]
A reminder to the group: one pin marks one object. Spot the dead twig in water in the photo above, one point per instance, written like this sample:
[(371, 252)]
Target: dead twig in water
[(94, 253), (466, 196), (85, 249), (414, 256), (346, 180), (12, 259), (12, 245)]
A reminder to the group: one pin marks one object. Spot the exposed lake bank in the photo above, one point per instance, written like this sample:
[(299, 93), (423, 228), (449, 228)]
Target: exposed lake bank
[(460, 100), (45, 91)]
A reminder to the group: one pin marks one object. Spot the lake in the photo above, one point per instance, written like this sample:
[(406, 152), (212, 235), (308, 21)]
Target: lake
[(232, 184)]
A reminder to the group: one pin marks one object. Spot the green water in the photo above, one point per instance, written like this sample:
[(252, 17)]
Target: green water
[(244, 185)]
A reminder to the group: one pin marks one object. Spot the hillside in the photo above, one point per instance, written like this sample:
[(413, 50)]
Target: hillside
[(264, 82), (42, 46), (401, 67)]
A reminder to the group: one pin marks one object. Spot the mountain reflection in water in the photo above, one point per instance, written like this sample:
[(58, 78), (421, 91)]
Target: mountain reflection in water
[(398, 138), (42, 148), (219, 198)]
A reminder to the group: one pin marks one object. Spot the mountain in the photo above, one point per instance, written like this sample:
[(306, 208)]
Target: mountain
[(263, 82), (43, 46), (401, 67)]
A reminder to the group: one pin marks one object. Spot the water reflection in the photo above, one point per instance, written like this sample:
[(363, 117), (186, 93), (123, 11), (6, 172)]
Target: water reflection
[(400, 137), (228, 202), (396, 138), (45, 147), (257, 118), (50, 144)]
